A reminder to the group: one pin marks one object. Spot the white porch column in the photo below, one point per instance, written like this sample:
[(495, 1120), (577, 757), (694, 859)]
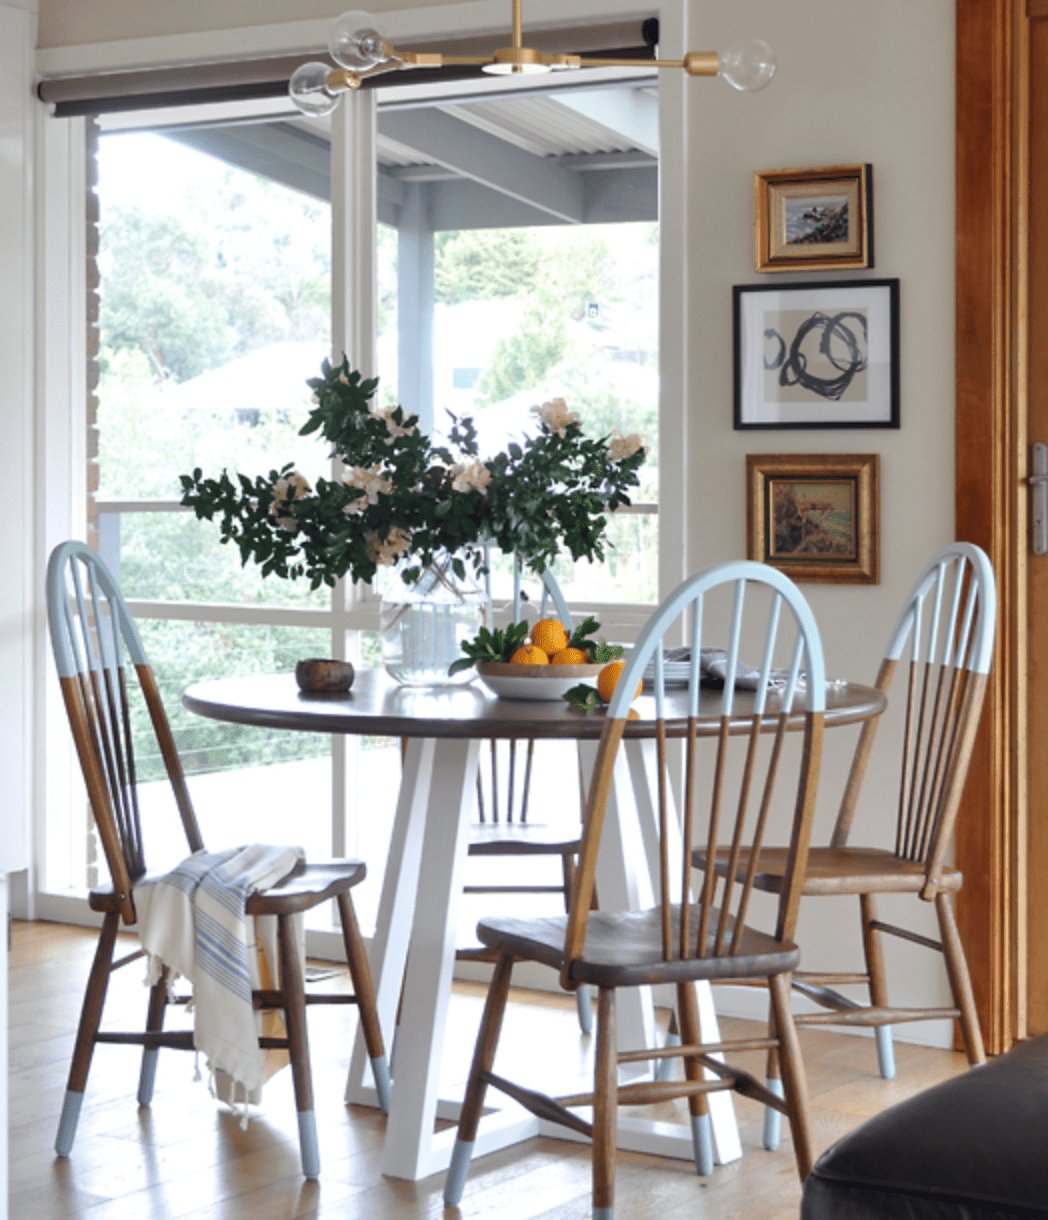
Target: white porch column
[(354, 279), (415, 306)]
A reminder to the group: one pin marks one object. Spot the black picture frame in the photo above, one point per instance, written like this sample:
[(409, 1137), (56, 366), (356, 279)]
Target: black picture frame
[(822, 354)]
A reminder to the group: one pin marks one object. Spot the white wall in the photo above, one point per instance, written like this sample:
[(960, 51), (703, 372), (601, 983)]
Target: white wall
[(81, 22), (17, 28), (856, 82)]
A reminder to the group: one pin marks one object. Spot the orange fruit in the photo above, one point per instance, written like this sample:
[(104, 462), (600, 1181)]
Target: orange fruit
[(528, 654), (608, 679), (570, 656), (549, 635)]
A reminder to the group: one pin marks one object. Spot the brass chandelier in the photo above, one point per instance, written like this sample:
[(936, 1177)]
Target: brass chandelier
[(358, 46)]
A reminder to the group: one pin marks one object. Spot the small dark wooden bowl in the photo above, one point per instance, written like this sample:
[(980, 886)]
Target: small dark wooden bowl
[(324, 674)]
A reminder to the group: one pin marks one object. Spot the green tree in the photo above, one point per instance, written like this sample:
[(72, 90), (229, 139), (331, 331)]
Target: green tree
[(485, 264), (522, 360), (158, 295), (229, 263)]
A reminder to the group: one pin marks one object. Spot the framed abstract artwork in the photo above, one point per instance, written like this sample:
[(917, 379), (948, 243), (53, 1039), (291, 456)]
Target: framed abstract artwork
[(815, 516), (817, 355), (813, 219)]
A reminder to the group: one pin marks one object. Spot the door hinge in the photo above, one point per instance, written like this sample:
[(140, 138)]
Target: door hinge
[(1038, 482)]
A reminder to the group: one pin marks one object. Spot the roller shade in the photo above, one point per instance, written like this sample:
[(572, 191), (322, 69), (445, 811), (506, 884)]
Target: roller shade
[(246, 80)]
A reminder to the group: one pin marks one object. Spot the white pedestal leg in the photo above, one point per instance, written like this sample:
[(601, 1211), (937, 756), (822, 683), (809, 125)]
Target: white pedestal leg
[(396, 910), (431, 960)]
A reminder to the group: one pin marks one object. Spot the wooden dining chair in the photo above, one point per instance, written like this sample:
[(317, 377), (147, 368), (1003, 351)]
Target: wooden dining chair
[(946, 631), (504, 829), (93, 637), (738, 766)]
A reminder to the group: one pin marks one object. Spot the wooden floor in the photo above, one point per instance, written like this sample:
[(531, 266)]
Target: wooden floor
[(188, 1157)]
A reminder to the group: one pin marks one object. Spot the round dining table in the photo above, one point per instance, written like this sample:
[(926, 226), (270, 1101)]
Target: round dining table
[(413, 952)]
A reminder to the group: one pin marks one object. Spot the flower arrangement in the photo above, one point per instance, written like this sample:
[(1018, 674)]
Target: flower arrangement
[(401, 497)]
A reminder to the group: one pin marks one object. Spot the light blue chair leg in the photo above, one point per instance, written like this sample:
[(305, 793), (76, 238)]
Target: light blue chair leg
[(885, 1051), (383, 1082), (772, 1118), (702, 1143), (67, 1124), (455, 1182), (147, 1076), (307, 1138), (584, 1007), (664, 1067)]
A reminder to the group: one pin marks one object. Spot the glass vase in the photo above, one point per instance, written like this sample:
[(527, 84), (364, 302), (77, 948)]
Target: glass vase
[(423, 625)]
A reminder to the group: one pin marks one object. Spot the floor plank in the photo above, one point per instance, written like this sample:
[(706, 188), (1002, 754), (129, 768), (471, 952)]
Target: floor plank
[(187, 1157)]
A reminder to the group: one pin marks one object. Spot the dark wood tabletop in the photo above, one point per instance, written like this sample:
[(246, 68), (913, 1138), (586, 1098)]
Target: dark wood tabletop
[(378, 706)]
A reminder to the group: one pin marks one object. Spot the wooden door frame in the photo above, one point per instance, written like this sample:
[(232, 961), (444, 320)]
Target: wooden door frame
[(991, 358)]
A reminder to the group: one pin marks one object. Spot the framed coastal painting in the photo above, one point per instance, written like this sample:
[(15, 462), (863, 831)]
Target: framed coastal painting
[(815, 516), (813, 219), (817, 355)]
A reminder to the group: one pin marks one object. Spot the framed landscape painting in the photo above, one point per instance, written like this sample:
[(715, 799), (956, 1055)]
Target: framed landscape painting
[(813, 219), (817, 355), (815, 516)]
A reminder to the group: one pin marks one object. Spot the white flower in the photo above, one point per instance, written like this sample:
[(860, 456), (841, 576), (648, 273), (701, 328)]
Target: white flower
[(343, 378), (355, 507), (285, 490), (386, 551), (470, 476), (392, 426), (555, 415), (621, 447), (370, 480)]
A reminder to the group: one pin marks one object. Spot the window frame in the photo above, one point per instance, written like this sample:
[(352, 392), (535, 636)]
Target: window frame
[(62, 451)]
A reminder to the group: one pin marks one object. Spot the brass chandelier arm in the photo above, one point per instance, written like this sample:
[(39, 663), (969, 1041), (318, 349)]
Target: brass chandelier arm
[(695, 63)]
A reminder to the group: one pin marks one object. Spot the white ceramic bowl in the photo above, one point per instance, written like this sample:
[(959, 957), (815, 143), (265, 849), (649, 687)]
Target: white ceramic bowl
[(534, 681)]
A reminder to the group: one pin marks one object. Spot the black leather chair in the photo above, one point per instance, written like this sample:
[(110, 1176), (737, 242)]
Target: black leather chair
[(972, 1148)]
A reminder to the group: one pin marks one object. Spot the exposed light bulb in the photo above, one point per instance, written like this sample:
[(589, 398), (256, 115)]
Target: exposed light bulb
[(356, 42), (515, 69), (309, 91), (748, 65)]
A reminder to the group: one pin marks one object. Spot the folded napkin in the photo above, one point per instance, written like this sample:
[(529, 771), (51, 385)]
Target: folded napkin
[(193, 922)]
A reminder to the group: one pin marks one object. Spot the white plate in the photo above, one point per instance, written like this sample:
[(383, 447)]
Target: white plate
[(534, 681)]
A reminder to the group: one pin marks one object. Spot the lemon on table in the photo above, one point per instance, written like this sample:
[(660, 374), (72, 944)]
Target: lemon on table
[(570, 656), (529, 654), (608, 679), (549, 635)]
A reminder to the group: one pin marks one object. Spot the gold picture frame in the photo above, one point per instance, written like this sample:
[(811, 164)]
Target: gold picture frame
[(813, 219), (815, 516)]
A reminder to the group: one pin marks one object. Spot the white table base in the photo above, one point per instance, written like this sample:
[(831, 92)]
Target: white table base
[(419, 909)]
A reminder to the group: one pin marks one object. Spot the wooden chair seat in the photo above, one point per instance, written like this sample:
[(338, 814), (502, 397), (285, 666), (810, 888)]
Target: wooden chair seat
[(624, 949), (522, 839), (311, 884), (838, 870)]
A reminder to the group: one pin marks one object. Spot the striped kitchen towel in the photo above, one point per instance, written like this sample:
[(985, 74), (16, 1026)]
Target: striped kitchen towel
[(192, 921)]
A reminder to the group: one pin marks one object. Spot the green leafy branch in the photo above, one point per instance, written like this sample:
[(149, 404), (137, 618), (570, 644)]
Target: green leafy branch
[(493, 645), (402, 497), (598, 651)]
